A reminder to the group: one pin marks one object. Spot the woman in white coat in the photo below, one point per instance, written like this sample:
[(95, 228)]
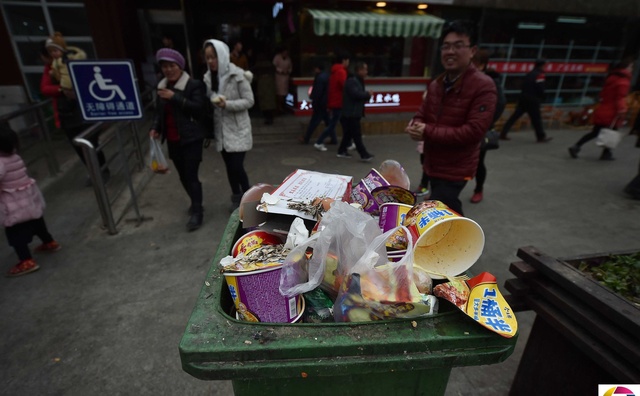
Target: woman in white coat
[(229, 89)]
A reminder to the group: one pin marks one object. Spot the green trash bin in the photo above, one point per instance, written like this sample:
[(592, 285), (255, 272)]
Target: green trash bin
[(398, 357)]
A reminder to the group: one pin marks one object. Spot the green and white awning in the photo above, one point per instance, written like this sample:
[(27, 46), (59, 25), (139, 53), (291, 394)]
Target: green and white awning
[(376, 24)]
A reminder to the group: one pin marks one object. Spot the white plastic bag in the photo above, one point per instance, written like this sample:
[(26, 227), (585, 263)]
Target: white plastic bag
[(344, 238), (375, 289), (157, 161), (609, 138)]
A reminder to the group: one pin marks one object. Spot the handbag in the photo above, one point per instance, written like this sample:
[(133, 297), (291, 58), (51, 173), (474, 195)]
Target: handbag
[(609, 137), (491, 140)]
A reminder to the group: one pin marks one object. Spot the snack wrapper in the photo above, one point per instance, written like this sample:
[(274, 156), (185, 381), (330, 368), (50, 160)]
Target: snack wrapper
[(481, 300)]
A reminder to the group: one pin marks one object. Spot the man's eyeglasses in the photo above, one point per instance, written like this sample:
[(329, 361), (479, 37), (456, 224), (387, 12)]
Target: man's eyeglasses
[(457, 46)]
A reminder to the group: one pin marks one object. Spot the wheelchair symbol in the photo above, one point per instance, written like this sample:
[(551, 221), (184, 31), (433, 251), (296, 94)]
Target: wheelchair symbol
[(106, 91)]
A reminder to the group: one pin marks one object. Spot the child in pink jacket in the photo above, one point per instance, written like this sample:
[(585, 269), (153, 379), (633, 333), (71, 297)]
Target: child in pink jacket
[(21, 206)]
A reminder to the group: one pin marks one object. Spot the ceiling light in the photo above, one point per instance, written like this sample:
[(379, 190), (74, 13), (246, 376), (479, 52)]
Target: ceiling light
[(422, 6), (381, 4), (571, 19), (531, 26)]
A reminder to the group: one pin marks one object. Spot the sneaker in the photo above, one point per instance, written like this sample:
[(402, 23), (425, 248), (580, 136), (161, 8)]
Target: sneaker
[(48, 247), (352, 147), (368, 158), (344, 155), (545, 139), (573, 151), (476, 197), (22, 268), (320, 147), (606, 156), (421, 191)]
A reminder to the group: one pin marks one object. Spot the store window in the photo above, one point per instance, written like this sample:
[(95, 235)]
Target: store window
[(31, 22), (577, 53), (25, 20), (71, 21)]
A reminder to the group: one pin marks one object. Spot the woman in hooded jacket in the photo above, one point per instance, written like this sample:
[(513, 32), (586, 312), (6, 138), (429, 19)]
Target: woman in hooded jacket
[(229, 89)]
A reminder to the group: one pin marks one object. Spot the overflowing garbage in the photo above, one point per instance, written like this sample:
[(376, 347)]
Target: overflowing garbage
[(320, 248)]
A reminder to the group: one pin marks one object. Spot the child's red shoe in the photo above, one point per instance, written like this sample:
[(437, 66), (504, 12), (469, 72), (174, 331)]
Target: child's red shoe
[(22, 268), (49, 247)]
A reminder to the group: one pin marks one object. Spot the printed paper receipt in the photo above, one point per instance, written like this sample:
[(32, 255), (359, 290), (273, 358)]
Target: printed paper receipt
[(309, 185)]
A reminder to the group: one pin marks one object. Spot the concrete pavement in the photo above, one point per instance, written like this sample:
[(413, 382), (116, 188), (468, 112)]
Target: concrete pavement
[(106, 313)]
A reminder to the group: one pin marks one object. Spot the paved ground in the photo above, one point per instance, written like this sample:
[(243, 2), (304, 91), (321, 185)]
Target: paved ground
[(106, 313)]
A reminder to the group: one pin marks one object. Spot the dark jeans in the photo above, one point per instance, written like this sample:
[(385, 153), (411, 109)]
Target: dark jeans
[(319, 114), (351, 130), (20, 236), (592, 135), (481, 173), (238, 179), (186, 158), (424, 181), (330, 130), (448, 192), (533, 109)]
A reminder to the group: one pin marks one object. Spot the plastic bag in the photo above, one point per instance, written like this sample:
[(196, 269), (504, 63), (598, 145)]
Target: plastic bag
[(374, 291), (345, 235), (157, 161), (609, 138), (395, 174)]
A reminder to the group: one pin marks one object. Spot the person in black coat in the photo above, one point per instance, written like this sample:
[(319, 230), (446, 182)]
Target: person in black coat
[(354, 98), (179, 122), (481, 59), (531, 96), (318, 96)]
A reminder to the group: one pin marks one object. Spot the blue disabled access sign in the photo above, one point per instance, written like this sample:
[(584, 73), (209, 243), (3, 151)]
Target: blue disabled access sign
[(106, 89)]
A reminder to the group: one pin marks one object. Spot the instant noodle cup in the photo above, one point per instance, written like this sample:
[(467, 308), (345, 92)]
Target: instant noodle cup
[(445, 243), (391, 216), (361, 193), (253, 240), (256, 296)]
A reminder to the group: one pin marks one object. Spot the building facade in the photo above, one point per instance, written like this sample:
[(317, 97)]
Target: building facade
[(579, 39)]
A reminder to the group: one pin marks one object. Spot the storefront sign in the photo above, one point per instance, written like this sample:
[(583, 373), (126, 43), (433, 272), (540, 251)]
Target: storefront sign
[(550, 67), (390, 95)]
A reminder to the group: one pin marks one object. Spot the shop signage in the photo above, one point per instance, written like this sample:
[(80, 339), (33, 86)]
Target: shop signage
[(106, 90), (550, 67)]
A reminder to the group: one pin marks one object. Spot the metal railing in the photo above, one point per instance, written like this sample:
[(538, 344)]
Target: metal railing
[(123, 140), (41, 127)]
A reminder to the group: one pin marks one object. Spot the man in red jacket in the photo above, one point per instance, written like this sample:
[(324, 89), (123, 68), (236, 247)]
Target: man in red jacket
[(334, 101), (455, 116)]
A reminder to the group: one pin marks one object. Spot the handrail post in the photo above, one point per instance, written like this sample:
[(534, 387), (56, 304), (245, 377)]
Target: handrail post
[(98, 183), (127, 173), (52, 162)]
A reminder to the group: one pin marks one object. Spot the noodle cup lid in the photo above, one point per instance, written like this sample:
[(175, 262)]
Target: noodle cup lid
[(393, 194)]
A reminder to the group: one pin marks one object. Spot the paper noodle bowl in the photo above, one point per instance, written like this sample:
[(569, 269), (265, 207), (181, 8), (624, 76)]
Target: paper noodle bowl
[(446, 244), (256, 296), (253, 240), (392, 216), (362, 192)]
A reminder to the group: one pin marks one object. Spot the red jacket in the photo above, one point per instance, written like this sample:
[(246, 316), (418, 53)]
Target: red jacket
[(52, 90), (456, 124), (613, 100), (336, 86)]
